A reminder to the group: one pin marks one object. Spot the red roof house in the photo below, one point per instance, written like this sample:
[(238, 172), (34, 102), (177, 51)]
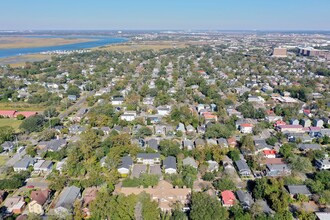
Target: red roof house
[(7, 113), (228, 198), (269, 153)]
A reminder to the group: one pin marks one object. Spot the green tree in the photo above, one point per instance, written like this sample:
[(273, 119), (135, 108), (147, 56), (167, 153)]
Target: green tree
[(144, 132), (203, 206), (33, 124), (247, 144), (6, 134), (218, 131), (224, 183)]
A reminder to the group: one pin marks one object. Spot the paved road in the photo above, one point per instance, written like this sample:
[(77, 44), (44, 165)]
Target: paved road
[(15, 158), (75, 106)]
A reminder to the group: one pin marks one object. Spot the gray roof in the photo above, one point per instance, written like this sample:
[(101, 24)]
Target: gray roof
[(242, 165), (56, 145), (277, 167), (298, 189), (189, 161), (153, 143), (7, 145), (170, 162), (25, 162), (126, 162), (222, 141), (118, 98), (188, 143), (148, 155), (309, 146), (68, 196), (245, 198), (264, 206), (47, 164)]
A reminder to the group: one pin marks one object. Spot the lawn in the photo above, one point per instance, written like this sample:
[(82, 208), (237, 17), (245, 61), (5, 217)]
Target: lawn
[(21, 106), (10, 122), (3, 160)]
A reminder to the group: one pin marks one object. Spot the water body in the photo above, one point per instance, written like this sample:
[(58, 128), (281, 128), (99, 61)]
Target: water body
[(96, 42)]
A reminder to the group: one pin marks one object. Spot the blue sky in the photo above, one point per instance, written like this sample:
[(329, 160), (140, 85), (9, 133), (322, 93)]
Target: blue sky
[(165, 14)]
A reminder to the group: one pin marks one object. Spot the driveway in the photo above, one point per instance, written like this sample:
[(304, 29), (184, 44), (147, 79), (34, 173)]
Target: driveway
[(155, 170), (15, 158), (138, 169)]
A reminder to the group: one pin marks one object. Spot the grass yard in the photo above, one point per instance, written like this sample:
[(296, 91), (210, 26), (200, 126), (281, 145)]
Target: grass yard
[(21, 106), (3, 160), (10, 122)]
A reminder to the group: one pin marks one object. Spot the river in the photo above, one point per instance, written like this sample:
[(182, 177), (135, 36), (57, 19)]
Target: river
[(96, 42)]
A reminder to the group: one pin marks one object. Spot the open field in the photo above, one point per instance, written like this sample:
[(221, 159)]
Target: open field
[(147, 45), (21, 106), (19, 61), (10, 122), (25, 42)]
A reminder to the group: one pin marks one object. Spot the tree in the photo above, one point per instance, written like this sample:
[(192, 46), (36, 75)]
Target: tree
[(234, 154), (144, 132), (271, 140), (33, 124), (247, 143), (169, 148), (218, 131), (51, 112), (224, 183), (32, 151), (300, 164), (286, 149), (73, 90), (6, 134), (203, 206), (20, 117), (208, 176)]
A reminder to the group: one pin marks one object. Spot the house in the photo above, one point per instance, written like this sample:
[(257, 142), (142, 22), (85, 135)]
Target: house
[(306, 147), (188, 144), (153, 144), (243, 168), (222, 142), (7, 113), (322, 215), (295, 190), (256, 99), (306, 122), (228, 198), (189, 161), (199, 143), (261, 145), (117, 100), (212, 166), (294, 121), (106, 130), (323, 164), (43, 166), (181, 128), (318, 122), (169, 165), (56, 145), (61, 164), (209, 117), (277, 170), (245, 199), (125, 166), (279, 122), (164, 110), (231, 142), (269, 153), (14, 204), (24, 164), (314, 132), (8, 146), (164, 194), (190, 129), (128, 116), (246, 128), (148, 158), (290, 128), (66, 200), (72, 97), (38, 199), (148, 100)]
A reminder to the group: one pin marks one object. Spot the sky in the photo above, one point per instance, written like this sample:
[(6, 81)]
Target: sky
[(165, 15)]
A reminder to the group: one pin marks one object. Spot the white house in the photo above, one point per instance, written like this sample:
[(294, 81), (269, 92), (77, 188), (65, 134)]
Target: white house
[(169, 165), (163, 110), (246, 128), (117, 100), (128, 116), (148, 158)]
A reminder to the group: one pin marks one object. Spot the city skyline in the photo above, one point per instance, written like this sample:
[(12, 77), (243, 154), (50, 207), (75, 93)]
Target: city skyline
[(169, 15)]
